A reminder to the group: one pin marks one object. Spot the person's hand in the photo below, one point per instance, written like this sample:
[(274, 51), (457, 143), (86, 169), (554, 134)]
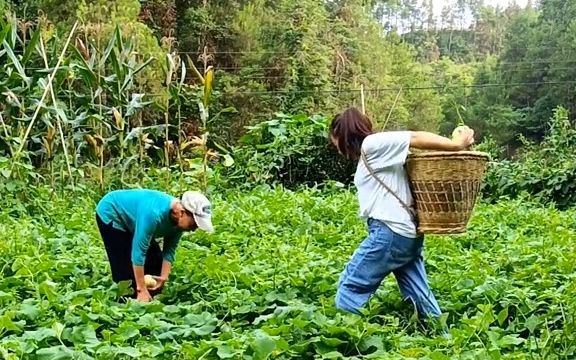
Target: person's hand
[(464, 137), (144, 296), (160, 281)]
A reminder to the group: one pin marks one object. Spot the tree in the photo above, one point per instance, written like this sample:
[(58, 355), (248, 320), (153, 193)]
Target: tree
[(538, 48)]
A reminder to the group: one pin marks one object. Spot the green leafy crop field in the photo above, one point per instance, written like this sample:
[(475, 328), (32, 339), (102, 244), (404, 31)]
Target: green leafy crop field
[(262, 287)]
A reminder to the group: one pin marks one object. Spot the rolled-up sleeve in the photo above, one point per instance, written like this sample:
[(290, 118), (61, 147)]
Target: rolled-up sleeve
[(387, 148)]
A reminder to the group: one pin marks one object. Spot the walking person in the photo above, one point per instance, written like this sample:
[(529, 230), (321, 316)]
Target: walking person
[(392, 244)]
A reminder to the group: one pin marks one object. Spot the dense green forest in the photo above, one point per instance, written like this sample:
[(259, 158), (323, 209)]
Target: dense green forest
[(502, 71)]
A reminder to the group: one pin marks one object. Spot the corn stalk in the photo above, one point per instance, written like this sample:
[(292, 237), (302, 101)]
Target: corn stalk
[(171, 68), (176, 94), (100, 144), (43, 98), (201, 143), (7, 135), (48, 143)]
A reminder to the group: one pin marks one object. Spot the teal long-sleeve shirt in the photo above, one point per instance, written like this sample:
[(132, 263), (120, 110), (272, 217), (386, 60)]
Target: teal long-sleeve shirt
[(146, 215)]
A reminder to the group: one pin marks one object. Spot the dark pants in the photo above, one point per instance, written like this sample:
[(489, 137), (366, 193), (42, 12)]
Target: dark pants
[(118, 246)]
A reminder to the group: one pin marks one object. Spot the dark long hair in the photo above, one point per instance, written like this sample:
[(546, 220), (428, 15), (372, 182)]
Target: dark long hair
[(349, 129)]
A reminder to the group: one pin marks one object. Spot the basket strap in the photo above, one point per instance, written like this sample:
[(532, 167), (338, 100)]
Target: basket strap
[(410, 211)]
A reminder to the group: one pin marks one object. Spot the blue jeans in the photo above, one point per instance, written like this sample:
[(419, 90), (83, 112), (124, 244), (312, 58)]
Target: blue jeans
[(381, 253)]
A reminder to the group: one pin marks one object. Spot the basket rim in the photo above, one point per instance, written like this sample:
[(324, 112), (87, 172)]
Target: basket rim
[(465, 153)]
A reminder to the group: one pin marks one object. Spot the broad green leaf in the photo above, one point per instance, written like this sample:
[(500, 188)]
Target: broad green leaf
[(48, 289), (125, 288), (333, 342), (11, 186), (372, 342), (532, 323), (494, 337), (509, 340), (129, 351), (5, 296), (201, 324), (84, 335), (502, 316), (58, 329), (55, 353), (333, 355), (226, 352), (323, 348), (7, 323), (128, 332), (174, 309), (39, 335), (149, 321), (31, 311), (263, 346)]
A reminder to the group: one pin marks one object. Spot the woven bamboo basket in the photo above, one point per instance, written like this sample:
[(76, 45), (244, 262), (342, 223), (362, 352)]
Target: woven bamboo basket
[(445, 186)]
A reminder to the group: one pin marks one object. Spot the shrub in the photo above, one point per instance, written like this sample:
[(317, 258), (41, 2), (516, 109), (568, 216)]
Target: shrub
[(292, 150)]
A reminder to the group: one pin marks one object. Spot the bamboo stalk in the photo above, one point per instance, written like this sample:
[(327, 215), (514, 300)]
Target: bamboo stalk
[(50, 78), (362, 99), (100, 126), (58, 119), (392, 108)]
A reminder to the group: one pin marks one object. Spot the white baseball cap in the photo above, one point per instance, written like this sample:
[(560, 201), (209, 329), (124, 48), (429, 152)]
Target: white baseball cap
[(200, 208)]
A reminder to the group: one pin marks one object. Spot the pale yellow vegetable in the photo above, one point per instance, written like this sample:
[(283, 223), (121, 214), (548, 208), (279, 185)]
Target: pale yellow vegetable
[(149, 281), (456, 133)]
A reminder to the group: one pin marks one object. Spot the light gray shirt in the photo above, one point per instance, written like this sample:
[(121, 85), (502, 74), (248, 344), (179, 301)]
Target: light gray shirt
[(386, 153)]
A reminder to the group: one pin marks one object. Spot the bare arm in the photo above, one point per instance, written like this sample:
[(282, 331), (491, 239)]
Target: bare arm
[(166, 269), (142, 291), (429, 141)]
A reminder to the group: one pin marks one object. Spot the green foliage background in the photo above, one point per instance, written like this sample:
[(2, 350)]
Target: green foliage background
[(134, 104)]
